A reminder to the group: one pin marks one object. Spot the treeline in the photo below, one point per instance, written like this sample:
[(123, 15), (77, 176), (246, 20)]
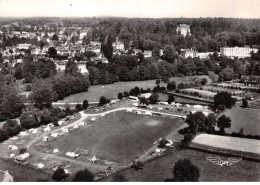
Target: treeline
[(207, 34)]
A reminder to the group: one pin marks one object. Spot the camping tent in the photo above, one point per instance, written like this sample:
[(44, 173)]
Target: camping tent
[(12, 147), (45, 138), (40, 165), (55, 150), (72, 154), (47, 129), (129, 110), (93, 119), (54, 134), (148, 113), (23, 133)]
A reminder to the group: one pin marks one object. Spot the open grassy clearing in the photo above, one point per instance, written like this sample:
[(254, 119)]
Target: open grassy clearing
[(23, 173), (200, 92), (161, 168), (111, 90), (190, 79), (164, 97), (231, 143), (119, 137), (246, 119)]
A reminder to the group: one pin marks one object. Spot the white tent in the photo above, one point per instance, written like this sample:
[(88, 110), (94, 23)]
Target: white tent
[(72, 154), (193, 111), (82, 124), (198, 106), (50, 125), (135, 104), (148, 113), (12, 147), (33, 131), (40, 165), (60, 122), (169, 143), (22, 157), (93, 159), (12, 155), (160, 108), (55, 150), (65, 130), (47, 129), (93, 119), (187, 105), (45, 138), (205, 113), (129, 110), (54, 134), (138, 112), (23, 133), (76, 126)]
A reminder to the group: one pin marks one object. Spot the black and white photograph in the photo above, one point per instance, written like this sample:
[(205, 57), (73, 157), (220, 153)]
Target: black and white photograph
[(129, 91)]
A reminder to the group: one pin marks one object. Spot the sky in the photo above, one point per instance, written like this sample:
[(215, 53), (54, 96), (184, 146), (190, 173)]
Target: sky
[(131, 8)]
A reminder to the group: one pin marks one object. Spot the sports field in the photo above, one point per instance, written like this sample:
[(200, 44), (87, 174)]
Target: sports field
[(246, 119), (118, 137), (231, 143)]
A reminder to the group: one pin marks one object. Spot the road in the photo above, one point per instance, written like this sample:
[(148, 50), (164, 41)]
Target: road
[(83, 116)]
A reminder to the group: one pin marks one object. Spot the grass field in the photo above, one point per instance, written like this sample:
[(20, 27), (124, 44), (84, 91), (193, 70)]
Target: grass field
[(201, 92), (231, 143), (24, 173), (160, 169), (190, 79), (246, 119), (111, 90), (119, 137), (164, 97)]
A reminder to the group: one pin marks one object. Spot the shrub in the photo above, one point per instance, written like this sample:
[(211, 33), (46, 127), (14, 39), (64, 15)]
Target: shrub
[(59, 174), (204, 81), (119, 178), (102, 101), (185, 171), (154, 98), (137, 165), (22, 150), (85, 104), (120, 96), (78, 107), (163, 143), (126, 94), (84, 176), (3, 135)]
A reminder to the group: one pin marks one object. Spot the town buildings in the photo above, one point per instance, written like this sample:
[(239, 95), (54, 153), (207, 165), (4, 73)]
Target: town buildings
[(239, 52), (183, 29)]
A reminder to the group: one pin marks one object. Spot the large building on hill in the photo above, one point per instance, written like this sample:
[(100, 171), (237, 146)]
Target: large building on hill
[(239, 52), (118, 45), (183, 29)]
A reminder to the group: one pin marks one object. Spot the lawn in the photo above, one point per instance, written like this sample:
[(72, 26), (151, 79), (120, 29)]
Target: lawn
[(190, 79), (200, 92), (246, 119), (118, 137), (161, 168), (23, 173), (109, 91), (164, 97), (230, 143)]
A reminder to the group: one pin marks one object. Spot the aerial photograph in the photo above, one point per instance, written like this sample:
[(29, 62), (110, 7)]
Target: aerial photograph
[(129, 91)]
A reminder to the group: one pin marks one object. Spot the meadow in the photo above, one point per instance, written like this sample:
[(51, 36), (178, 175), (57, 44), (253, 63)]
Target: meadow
[(246, 119), (118, 137)]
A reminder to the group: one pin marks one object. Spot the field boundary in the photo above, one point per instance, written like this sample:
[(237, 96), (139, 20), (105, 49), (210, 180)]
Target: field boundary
[(225, 152)]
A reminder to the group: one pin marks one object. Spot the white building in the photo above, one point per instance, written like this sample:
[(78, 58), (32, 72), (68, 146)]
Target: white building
[(147, 53), (239, 52), (118, 45), (23, 46), (183, 29)]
